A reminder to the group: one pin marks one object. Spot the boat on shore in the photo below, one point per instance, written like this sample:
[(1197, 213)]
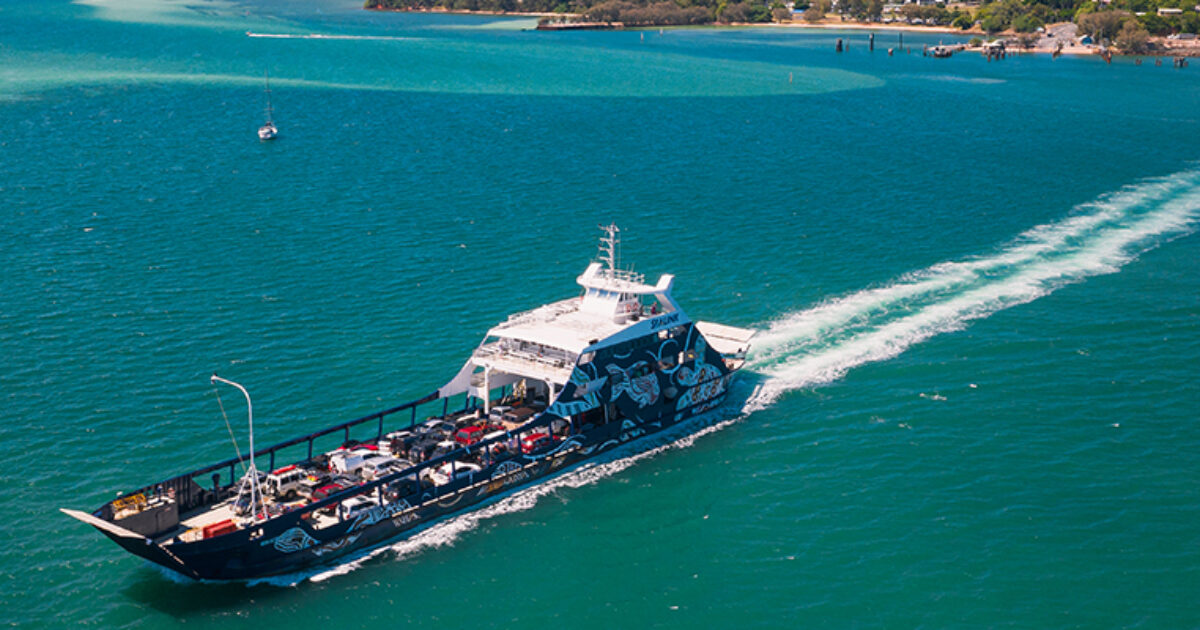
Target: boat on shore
[(546, 390)]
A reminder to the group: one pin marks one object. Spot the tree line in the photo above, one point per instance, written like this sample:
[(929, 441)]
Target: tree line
[(628, 12), (1126, 23)]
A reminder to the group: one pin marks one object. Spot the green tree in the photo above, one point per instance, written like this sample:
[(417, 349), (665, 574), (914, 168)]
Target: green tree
[(1190, 22), (855, 8), (1132, 38), (1155, 25), (1026, 24), (1104, 24), (815, 12), (993, 24), (963, 21)]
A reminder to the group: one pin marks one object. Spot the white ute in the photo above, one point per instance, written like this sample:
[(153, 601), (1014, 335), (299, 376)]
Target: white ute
[(284, 483)]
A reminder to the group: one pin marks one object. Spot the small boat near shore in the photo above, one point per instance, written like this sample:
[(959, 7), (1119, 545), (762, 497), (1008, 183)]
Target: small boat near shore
[(546, 390)]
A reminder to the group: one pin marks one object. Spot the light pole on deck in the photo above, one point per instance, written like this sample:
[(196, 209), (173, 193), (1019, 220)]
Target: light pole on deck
[(255, 494)]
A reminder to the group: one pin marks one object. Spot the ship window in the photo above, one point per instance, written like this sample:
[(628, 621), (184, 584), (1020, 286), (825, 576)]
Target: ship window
[(586, 357)]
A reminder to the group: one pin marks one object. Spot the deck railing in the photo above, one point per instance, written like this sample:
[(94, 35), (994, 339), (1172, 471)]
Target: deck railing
[(189, 494)]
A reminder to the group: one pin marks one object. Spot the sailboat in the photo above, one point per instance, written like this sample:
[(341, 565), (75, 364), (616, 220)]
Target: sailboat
[(268, 130)]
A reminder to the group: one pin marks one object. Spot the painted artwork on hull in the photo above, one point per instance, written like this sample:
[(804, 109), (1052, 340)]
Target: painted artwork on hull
[(647, 379)]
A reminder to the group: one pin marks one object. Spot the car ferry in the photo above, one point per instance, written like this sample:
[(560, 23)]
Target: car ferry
[(545, 390)]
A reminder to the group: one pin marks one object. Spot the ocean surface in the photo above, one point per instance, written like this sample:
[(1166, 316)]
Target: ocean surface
[(973, 403)]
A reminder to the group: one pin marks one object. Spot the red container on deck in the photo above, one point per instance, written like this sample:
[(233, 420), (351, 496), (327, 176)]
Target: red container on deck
[(213, 530)]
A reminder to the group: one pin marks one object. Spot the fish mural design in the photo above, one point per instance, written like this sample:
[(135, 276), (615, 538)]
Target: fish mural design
[(701, 380), (293, 540), (586, 394), (644, 390)]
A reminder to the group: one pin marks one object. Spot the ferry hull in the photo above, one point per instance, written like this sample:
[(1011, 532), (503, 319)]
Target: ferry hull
[(288, 545)]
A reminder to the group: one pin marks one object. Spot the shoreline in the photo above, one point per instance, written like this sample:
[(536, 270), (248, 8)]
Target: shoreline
[(860, 26), (1164, 50), (443, 10)]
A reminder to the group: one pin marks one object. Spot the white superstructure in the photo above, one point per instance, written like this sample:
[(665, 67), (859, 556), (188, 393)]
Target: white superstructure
[(541, 347)]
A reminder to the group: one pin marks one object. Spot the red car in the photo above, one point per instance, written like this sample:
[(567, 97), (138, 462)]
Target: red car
[(469, 435), (325, 491), (537, 442)]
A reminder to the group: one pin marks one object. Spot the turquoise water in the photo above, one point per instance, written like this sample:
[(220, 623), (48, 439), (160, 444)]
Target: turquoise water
[(974, 401)]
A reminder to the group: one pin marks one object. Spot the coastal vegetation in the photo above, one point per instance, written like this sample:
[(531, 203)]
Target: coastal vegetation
[(627, 12), (1127, 24)]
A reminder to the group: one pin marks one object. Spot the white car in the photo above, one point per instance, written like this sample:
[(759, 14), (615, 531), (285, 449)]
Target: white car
[(376, 467), (349, 462), (440, 476), (497, 412), (284, 483), (352, 507)]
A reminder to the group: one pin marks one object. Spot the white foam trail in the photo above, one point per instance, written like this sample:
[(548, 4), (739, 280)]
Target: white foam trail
[(821, 344), (814, 324), (320, 36)]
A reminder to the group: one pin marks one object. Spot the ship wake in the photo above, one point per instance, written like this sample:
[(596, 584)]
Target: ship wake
[(821, 344)]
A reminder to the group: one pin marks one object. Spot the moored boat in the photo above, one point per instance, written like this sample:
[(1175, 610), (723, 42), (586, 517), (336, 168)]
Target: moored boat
[(546, 390), (268, 131)]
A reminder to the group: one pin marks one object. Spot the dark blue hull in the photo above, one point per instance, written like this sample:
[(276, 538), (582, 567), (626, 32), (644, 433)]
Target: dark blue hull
[(288, 544)]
